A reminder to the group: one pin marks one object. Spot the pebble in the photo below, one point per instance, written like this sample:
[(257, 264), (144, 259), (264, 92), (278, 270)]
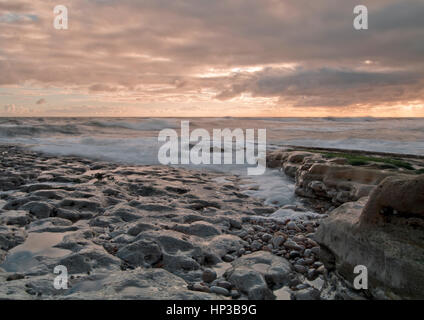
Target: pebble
[(199, 287), (299, 268), (256, 245), (266, 237), (219, 290), (224, 284), (228, 258), (235, 294), (208, 275), (290, 244), (311, 274), (292, 226), (294, 254), (315, 250), (278, 241)]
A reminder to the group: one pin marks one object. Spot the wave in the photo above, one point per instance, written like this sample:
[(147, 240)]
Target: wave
[(13, 130), (145, 125)]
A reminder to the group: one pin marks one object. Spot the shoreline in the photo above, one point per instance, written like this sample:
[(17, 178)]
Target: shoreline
[(181, 233), (138, 222)]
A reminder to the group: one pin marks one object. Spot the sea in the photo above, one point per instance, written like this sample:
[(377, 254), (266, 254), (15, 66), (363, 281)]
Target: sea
[(134, 141)]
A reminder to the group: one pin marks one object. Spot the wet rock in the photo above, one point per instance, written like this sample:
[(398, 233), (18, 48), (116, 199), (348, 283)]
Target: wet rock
[(228, 258), (140, 253), (11, 237), (275, 270), (251, 283), (40, 209), (199, 228), (12, 217), (80, 204), (89, 259), (362, 231), (290, 244), (220, 290), (256, 245), (277, 241), (306, 294), (209, 275), (266, 237)]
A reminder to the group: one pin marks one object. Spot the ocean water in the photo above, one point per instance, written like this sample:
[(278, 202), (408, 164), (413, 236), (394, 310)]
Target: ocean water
[(134, 141)]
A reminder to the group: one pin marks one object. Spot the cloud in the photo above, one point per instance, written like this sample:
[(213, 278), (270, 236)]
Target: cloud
[(9, 108), (200, 50), (330, 87)]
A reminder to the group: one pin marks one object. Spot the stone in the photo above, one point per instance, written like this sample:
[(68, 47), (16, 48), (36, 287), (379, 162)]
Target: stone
[(361, 231), (141, 253), (209, 275), (256, 245), (39, 209), (14, 217), (275, 270), (228, 258), (306, 294), (224, 284), (290, 244), (199, 228), (10, 237), (251, 283), (89, 259), (266, 237), (219, 290), (277, 241)]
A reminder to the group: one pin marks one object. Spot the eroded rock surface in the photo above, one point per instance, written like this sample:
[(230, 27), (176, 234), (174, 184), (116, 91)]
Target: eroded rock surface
[(383, 232)]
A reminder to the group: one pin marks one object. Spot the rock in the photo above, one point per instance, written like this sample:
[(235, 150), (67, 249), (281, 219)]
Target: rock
[(306, 294), (138, 227), (15, 276), (277, 241), (228, 258), (256, 245), (293, 226), (89, 259), (219, 290), (199, 228), (141, 253), (251, 283), (209, 275), (13, 217), (224, 284), (362, 233), (290, 244), (299, 268), (294, 254), (396, 200), (199, 287), (266, 237), (274, 269), (10, 237), (235, 294), (80, 204), (39, 209)]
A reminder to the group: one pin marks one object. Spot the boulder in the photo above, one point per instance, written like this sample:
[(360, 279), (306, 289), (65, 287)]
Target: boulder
[(141, 253), (383, 233)]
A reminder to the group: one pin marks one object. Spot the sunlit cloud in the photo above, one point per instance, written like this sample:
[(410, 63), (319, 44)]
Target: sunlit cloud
[(234, 57)]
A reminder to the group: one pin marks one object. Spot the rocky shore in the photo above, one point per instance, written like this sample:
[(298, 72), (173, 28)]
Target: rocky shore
[(146, 232), (157, 232), (375, 207)]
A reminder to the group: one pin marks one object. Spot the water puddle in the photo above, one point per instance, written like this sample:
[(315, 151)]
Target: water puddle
[(23, 257)]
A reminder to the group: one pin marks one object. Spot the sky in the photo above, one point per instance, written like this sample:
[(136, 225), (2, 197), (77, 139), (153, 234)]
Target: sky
[(154, 58)]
